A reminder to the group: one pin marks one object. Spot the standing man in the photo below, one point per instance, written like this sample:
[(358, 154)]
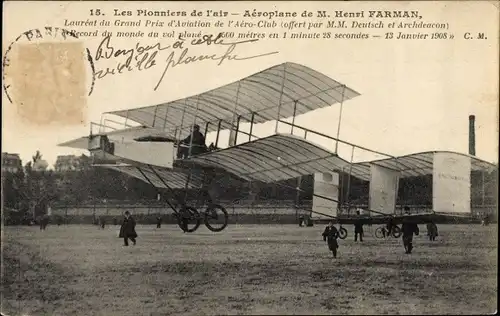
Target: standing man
[(40, 219), (330, 235), (358, 228), (44, 221), (158, 221), (409, 229), (127, 230)]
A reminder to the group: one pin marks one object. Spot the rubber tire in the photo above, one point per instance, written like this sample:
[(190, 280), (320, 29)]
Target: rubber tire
[(194, 211), (378, 233), (396, 231), (226, 218), (342, 233)]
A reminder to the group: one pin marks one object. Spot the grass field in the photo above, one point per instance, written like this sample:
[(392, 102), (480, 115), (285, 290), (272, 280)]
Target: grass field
[(251, 269)]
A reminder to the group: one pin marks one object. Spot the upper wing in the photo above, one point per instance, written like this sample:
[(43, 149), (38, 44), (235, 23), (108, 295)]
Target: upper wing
[(297, 88)]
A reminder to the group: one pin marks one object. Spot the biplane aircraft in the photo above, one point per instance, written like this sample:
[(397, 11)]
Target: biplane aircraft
[(150, 150)]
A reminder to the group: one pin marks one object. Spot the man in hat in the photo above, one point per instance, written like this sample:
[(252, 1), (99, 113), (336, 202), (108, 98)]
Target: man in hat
[(409, 228), (330, 235), (127, 231), (195, 141), (358, 228)]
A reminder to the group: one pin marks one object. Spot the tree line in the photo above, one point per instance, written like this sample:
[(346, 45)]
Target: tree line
[(32, 189)]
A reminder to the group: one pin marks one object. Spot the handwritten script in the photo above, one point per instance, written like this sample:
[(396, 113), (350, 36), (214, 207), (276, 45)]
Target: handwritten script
[(143, 57)]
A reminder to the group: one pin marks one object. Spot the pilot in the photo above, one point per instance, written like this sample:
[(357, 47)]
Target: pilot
[(198, 145), (212, 147)]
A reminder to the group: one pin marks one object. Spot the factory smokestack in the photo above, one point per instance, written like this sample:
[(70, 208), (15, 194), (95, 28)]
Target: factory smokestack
[(472, 135)]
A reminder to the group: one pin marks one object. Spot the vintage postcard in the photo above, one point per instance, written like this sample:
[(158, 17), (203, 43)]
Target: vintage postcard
[(237, 157)]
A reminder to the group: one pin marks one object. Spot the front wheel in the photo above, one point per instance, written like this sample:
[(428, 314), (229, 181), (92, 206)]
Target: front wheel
[(396, 232), (188, 219), (216, 218), (342, 233)]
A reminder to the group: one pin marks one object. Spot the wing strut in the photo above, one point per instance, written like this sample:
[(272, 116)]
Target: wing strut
[(281, 98), (349, 179), (157, 191), (340, 118)]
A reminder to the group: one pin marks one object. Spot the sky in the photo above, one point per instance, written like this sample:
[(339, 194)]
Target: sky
[(416, 95)]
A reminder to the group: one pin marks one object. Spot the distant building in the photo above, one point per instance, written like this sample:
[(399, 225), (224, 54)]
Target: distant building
[(66, 163), (11, 162)]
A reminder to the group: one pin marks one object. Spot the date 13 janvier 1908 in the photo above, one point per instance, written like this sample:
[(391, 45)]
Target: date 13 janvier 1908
[(419, 35)]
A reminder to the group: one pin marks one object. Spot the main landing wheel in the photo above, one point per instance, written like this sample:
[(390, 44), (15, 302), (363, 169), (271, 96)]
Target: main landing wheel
[(342, 233), (188, 219), (216, 218), (396, 231)]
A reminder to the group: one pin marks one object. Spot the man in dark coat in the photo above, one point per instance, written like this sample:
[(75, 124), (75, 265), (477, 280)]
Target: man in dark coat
[(158, 221), (358, 229), (127, 230), (44, 221), (409, 229), (432, 231), (330, 235)]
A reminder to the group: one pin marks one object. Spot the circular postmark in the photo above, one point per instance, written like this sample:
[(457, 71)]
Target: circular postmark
[(45, 74)]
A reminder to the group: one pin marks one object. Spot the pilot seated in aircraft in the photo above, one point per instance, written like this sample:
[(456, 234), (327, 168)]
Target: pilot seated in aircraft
[(330, 235), (212, 147), (197, 144)]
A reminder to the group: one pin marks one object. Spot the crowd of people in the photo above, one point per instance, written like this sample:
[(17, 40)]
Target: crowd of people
[(409, 229)]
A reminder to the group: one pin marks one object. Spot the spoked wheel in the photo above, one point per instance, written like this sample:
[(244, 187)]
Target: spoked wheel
[(342, 233), (379, 233), (216, 218), (396, 231), (188, 219)]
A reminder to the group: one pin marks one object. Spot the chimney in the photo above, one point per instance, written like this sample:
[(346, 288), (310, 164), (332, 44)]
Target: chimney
[(472, 135)]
